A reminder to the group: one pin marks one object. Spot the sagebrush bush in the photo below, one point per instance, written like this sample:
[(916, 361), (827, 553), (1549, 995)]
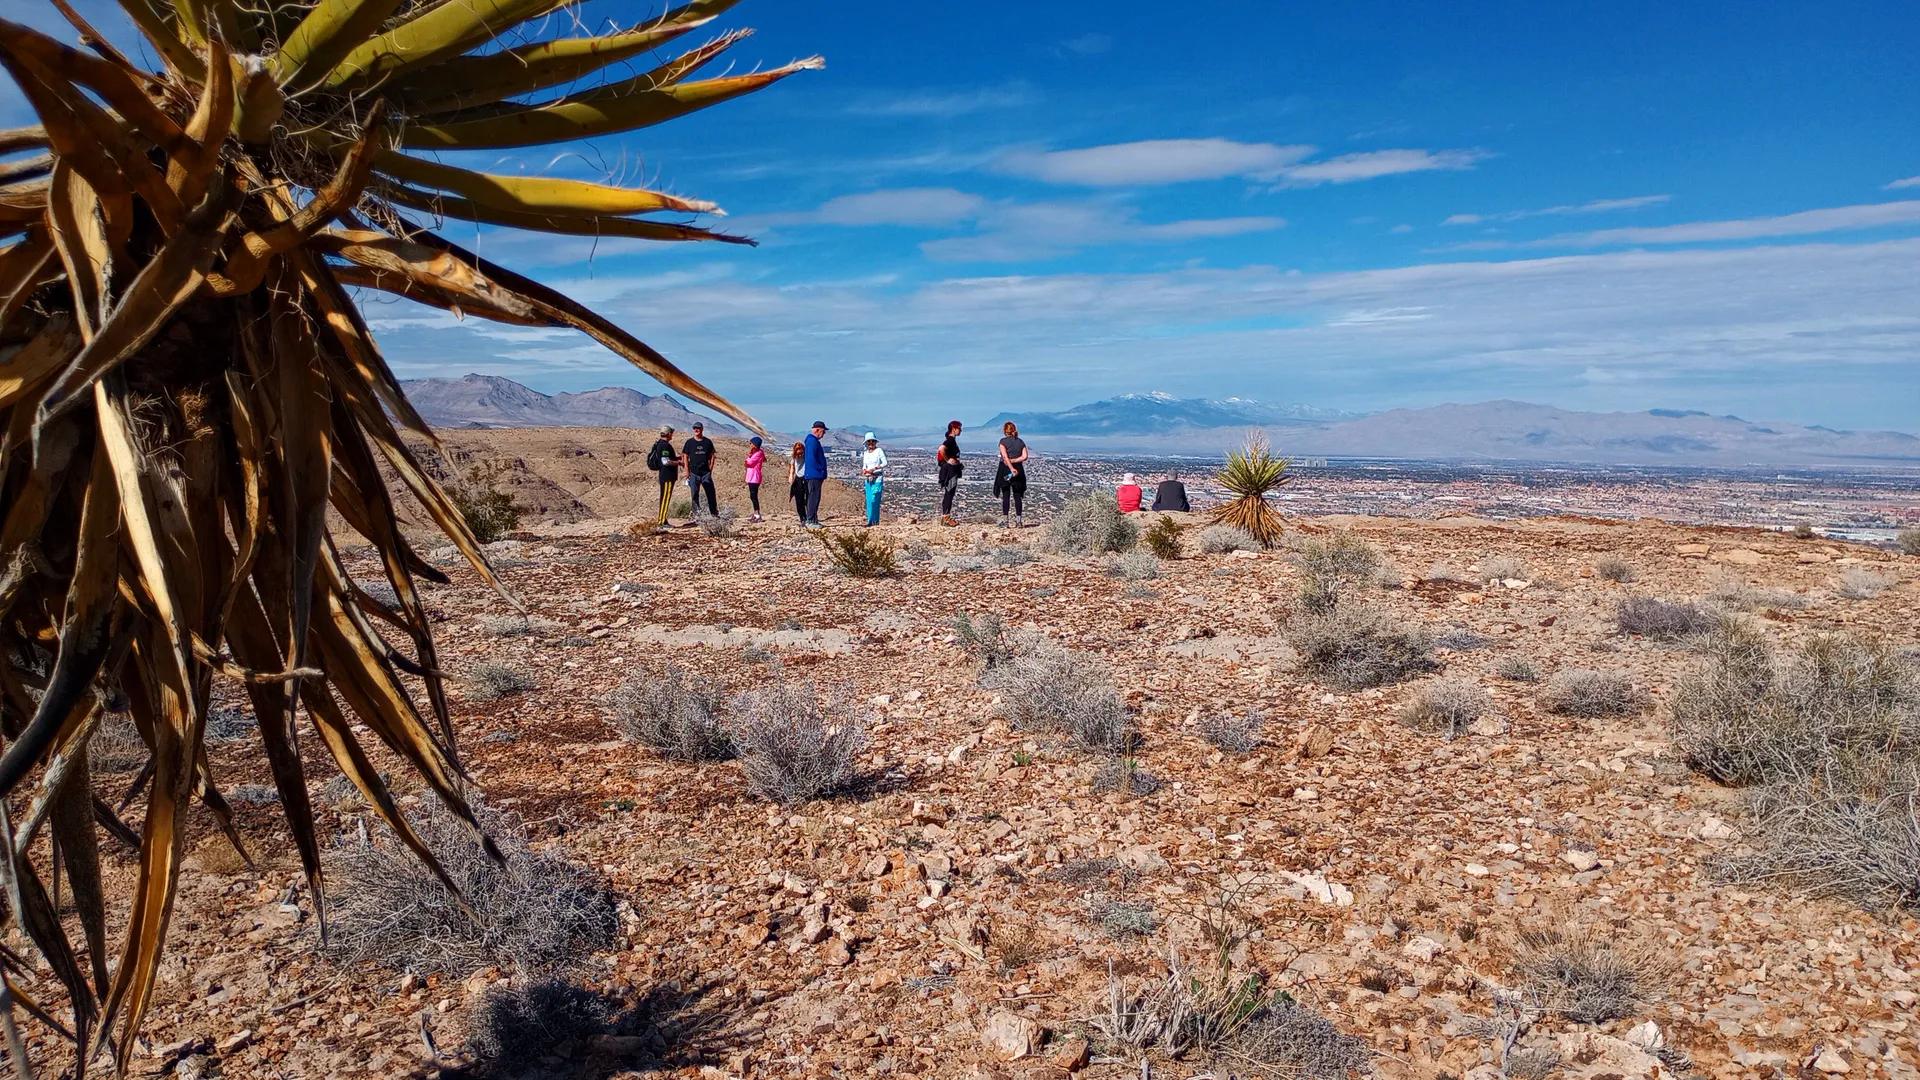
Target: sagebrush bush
[(1734, 594), (1135, 566), (1119, 918), (1517, 669), (1124, 774), (986, 638), (1052, 689), (1011, 555), (1163, 537), (1354, 646), (1614, 568), (674, 711), (1446, 706), (724, 523), (1586, 692), (1858, 583), (1849, 833), (538, 912), (1235, 733), (1092, 525), (506, 625), (1502, 568), (1589, 979), (1662, 620), (861, 553), (1908, 541), (793, 744), (1342, 556), (1752, 714), (1216, 1015), (492, 681), (1221, 539), (515, 1027)]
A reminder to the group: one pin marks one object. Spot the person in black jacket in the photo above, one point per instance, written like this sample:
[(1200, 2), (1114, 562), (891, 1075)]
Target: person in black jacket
[(699, 456), (662, 460), (950, 470), (1171, 494)]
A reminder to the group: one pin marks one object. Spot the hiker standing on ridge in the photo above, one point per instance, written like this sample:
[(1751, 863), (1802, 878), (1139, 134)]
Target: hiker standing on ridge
[(814, 470), (662, 460), (950, 469), (873, 469), (1010, 483), (756, 463), (699, 454), (797, 480)]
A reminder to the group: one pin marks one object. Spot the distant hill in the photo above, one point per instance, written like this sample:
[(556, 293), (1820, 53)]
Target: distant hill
[(1158, 414), (488, 401)]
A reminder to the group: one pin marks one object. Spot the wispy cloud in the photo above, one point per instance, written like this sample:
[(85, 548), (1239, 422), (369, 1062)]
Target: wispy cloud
[(1594, 206), (1804, 223), (1907, 182), (1091, 43), (926, 207), (1016, 231), (946, 103), (1172, 161)]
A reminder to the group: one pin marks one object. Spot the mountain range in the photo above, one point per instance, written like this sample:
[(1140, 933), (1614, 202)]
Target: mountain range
[(1159, 423), (493, 402)]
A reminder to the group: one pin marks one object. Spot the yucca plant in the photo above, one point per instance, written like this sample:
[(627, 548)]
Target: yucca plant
[(187, 390), (1251, 474)]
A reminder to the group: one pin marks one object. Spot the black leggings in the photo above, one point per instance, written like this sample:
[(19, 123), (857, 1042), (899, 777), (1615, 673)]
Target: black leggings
[(1013, 492), (797, 491), (753, 492), (949, 487)]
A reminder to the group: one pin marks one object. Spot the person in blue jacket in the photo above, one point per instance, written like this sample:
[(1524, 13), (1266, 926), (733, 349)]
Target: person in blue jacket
[(813, 469)]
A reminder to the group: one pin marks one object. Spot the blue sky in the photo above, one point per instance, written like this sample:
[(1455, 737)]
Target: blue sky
[(1353, 205)]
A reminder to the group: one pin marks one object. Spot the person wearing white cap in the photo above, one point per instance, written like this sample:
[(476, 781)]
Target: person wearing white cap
[(873, 469), (1129, 494)]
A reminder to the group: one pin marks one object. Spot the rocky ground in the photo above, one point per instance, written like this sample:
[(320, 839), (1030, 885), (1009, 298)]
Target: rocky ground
[(948, 920)]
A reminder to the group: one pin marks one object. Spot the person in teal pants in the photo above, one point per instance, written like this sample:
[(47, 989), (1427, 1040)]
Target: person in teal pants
[(873, 469)]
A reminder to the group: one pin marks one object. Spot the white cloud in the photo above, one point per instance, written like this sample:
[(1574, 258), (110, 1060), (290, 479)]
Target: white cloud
[(1907, 182), (1152, 161), (1594, 206), (1017, 231), (1371, 164), (947, 103), (1804, 223), (925, 207)]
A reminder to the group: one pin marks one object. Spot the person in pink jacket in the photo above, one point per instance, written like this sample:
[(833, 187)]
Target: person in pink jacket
[(756, 463)]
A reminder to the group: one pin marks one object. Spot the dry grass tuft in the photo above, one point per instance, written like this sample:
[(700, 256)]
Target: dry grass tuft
[(1135, 566), (1859, 583), (1733, 594), (490, 682), (1501, 568), (1614, 568), (1221, 539), (1235, 733), (1589, 979), (793, 745), (986, 639), (1354, 646), (1662, 620), (1516, 669), (674, 711), (1590, 693), (1446, 706), (1067, 693), (1908, 541)]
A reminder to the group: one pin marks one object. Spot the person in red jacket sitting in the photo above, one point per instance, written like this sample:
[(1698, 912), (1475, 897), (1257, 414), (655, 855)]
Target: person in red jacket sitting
[(1129, 494)]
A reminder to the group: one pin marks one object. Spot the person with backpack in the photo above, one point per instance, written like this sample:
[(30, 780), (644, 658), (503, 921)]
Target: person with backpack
[(797, 480), (662, 460), (699, 456), (756, 462), (948, 457), (1010, 482), (815, 470), (873, 470)]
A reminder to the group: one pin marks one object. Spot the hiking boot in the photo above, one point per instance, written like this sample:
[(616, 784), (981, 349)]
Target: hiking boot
[(1003, 522), (947, 520), (1019, 522)]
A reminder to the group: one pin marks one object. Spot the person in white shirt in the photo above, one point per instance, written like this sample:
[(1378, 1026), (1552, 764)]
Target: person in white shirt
[(873, 469)]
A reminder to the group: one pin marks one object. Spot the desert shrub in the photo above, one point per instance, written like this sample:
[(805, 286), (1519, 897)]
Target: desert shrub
[(1754, 715), (488, 511), (1804, 530), (986, 639), (1734, 594), (795, 746), (1589, 693), (1355, 646), (724, 523), (1586, 978), (1163, 537), (1516, 669), (1235, 733), (490, 682), (1011, 555), (1446, 706), (1124, 774), (227, 724), (1461, 639), (860, 553), (1135, 566), (1852, 834), (916, 550), (674, 711), (1053, 689), (1220, 1016), (1858, 583), (1221, 539), (1908, 541), (506, 625), (1121, 919), (1090, 525), (515, 1027), (1614, 568), (1342, 556), (681, 507), (1501, 568), (1662, 620), (253, 795), (537, 912)]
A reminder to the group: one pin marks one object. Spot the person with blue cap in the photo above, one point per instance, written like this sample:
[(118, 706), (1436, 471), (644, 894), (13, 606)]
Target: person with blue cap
[(813, 469), (756, 464), (873, 469)]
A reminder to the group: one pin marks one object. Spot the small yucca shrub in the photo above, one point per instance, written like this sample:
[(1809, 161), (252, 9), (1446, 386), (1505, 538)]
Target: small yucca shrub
[(1251, 474)]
